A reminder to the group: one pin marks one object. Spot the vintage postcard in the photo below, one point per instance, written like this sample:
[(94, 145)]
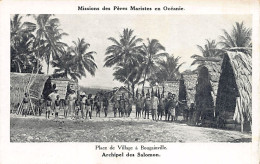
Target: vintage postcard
[(121, 82)]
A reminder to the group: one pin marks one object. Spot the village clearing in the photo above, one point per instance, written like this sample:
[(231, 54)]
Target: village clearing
[(110, 129)]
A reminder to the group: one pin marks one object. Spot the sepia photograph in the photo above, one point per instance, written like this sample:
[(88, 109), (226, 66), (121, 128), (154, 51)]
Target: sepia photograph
[(130, 78)]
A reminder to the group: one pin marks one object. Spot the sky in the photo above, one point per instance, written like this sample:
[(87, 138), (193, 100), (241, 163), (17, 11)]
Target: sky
[(179, 34)]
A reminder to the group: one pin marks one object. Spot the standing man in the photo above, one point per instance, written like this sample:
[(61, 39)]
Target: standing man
[(105, 104), (131, 104), (161, 106), (53, 97), (147, 106), (166, 110), (57, 106), (154, 106), (72, 98), (83, 104), (139, 106), (116, 106), (89, 107), (48, 107), (122, 104), (41, 105), (25, 105), (66, 107), (98, 106)]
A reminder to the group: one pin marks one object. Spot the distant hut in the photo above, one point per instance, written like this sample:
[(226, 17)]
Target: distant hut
[(119, 91), (190, 82), (234, 98)]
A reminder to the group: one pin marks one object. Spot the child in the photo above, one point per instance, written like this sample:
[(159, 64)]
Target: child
[(57, 106), (48, 107)]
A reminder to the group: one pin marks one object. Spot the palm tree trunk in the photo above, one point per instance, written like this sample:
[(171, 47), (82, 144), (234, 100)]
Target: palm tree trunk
[(145, 74), (48, 64), (133, 90)]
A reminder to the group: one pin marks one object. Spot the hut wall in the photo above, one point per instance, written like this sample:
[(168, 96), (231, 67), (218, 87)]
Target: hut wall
[(173, 87), (190, 82), (61, 86), (203, 97)]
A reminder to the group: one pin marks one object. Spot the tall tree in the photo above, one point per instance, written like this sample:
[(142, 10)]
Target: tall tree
[(153, 53), (21, 40), (168, 70), (240, 36), (65, 67), (124, 52), (209, 52), (48, 35), (128, 75), (82, 58)]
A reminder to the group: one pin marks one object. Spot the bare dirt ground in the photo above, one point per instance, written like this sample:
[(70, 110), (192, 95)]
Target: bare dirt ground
[(110, 129)]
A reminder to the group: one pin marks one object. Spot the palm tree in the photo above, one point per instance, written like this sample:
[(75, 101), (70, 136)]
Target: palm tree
[(21, 43), (48, 36), (239, 37), (153, 54), (65, 67), (126, 50), (128, 75), (168, 70), (82, 59), (209, 53)]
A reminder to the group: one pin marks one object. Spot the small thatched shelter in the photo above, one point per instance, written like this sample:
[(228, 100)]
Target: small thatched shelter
[(235, 87), (190, 82), (121, 90)]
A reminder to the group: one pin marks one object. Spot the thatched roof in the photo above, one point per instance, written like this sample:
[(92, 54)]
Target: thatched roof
[(214, 69), (242, 67), (190, 81), (18, 83)]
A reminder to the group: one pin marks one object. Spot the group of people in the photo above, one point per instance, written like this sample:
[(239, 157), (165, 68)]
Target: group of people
[(81, 106)]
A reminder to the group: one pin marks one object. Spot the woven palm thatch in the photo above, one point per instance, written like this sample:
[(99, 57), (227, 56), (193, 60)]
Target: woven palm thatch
[(61, 86), (190, 82), (241, 67), (214, 70), (18, 83)]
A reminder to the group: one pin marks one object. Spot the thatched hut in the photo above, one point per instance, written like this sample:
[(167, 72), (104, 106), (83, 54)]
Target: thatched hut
[(18, 83), (190, 82), (206, 91), (41, 84), (234, 98), (121, 90)]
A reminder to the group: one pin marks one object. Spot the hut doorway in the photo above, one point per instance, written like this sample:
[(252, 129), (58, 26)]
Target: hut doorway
[(227, 93), (203, 98)]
